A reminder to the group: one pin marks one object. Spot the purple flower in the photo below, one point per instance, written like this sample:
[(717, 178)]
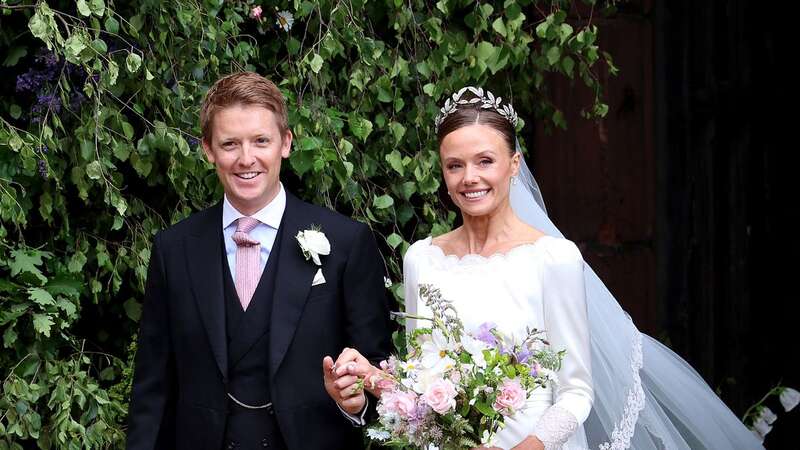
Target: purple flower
[(46, 103), (485, 335), (42, 168), (36, 78), (30, 81), (193, 142), (522, 355), (42, 80), (420, 415)]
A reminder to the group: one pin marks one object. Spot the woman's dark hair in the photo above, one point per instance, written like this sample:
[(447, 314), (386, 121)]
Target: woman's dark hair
[(473, 114)]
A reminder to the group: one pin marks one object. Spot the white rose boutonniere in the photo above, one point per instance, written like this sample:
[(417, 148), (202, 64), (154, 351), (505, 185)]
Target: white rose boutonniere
[(313, 243)]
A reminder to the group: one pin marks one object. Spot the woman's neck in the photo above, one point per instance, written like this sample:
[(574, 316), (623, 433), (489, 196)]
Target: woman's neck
[(484, 232)]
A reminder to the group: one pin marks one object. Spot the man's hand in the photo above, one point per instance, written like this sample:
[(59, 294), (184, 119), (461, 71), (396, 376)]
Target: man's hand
[(346, 390)]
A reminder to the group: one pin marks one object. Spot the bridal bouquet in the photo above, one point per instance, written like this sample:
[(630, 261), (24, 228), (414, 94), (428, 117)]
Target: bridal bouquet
[(455, 389)]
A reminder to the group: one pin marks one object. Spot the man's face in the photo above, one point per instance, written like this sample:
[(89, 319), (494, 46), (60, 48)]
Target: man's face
[(246, 146)]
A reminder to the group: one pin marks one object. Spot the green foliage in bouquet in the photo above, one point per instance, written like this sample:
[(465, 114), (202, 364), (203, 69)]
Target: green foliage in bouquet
[(99, 149)]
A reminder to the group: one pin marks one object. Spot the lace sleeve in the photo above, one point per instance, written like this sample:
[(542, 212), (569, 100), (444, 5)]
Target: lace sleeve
[(555, 427)]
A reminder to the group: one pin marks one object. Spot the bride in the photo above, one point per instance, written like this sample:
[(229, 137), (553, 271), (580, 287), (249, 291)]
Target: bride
[(509, 265)]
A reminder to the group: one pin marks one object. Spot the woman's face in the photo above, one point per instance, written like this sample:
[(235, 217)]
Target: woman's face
[(477, 166)]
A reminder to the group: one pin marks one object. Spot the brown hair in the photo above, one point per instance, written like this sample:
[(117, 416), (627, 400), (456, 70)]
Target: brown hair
[(473, 114), (244, 88)]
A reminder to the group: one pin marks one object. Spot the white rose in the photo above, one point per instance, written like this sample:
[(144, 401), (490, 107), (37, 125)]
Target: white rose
[(314, 243)]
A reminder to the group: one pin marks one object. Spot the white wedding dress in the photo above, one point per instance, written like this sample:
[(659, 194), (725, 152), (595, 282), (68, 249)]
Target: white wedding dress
[(618, 388), (537, 285)]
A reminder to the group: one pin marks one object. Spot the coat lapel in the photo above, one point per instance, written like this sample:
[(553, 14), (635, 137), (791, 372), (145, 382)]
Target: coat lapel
[(292, 283), (203, 262)]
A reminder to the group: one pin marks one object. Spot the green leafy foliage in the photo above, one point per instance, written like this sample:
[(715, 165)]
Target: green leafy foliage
[(99, 150)]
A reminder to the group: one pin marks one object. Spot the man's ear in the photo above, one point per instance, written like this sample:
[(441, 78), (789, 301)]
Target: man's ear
[(208, 151), (286, 143)]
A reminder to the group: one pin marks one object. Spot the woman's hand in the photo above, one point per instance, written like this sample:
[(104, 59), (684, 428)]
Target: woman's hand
[(530, 443)]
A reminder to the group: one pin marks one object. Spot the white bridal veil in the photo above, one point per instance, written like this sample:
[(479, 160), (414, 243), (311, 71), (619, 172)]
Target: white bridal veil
[(646, 396)]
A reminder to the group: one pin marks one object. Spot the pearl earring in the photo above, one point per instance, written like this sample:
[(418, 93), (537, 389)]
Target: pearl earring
[(514, 180)]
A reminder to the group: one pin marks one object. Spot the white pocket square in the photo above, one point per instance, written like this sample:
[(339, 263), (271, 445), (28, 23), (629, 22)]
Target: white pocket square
[(318, 278)]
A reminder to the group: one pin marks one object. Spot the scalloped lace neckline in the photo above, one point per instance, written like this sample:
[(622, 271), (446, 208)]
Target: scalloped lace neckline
[(476, 258)]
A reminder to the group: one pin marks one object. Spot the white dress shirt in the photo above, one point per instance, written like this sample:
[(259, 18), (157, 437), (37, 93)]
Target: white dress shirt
[(265, 232)]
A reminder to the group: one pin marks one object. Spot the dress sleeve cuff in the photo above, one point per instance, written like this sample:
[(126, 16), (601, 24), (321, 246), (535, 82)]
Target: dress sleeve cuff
[(555, 427), (356, 420)]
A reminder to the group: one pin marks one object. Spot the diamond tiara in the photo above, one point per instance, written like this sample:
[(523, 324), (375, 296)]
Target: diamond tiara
[(486, 99)]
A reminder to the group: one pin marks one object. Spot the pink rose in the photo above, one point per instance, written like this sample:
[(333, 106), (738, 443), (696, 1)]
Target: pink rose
[(401, 403), (440, 396), (255, 13), (511, 397)]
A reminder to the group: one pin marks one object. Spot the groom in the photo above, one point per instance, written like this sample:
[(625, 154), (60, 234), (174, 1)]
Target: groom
[(239, 311)]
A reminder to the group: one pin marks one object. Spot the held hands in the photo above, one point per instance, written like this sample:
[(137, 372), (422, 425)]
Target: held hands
[(345, 379), (343, 390)]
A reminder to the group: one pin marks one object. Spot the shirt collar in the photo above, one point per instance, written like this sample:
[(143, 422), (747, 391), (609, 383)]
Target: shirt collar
[(271, 214)]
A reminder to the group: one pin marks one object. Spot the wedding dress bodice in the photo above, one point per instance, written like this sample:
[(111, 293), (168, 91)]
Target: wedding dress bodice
[(538, 285)]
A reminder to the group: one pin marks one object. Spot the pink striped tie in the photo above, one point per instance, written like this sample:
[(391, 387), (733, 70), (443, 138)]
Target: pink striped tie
[(248, 268)]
